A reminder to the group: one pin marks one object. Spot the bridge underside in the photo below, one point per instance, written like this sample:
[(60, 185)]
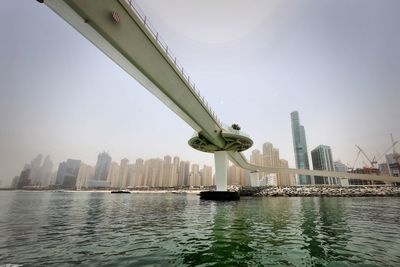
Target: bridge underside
[(137, 50)]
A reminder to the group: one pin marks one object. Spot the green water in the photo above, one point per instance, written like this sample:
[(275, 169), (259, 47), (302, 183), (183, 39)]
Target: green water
[(103, 229)]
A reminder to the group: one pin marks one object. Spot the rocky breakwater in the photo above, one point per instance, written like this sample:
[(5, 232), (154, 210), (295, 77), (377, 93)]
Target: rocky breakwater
[(321, 191)]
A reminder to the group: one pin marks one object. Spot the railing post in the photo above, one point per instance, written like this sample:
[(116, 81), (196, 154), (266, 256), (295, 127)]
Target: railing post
[(144, 21)]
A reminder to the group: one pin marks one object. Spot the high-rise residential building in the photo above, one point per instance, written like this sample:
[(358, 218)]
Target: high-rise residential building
[(206, 176), (113, 175), (39, 174), (67, 173), (256, 157), (267, 154), (166, 172), (153, 172), (231, 179), (62, 167), (285, 179), (194, 175), (147, 172), (275, 158), (102, 166), (300, 148), (235, 175), (340, 167), (175, 171), (123, 173), (138, 179), (271, 180), (72, 169), (269, 158), (184, 170), (45, 172), (131, 175), (85, 174), (24, 177), (158, 173), (34, 175), (322, 160)]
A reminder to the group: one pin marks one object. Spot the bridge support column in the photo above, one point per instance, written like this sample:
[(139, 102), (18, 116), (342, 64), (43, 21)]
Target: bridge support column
[(221, 170)]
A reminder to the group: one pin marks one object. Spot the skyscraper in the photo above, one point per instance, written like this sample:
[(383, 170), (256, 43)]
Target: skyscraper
[(85, 174), (24, 177), (34, 175), (71, 173), (45, 172), (62, 167), (256, 157), (285, 179), (322, 160), (113, 175), (206, 176), (139, 173), (175, 171), (267, 154), (195, 175), (300, 148), (166, 172), (123, 173), (102, 166)]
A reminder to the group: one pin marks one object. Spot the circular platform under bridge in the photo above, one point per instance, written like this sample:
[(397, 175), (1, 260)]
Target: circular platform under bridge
[(235, 141)]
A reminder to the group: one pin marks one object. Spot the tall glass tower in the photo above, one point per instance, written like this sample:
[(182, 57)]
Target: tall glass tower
[(300, 148), (102, 166), (322, 160)]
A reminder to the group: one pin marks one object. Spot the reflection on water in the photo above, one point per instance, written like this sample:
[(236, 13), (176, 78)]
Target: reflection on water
[(103, 229)]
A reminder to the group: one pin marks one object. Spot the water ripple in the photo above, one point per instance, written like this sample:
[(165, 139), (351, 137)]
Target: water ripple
[(100, 229)]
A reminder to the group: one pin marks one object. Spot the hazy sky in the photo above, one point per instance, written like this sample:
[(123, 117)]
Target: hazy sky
[(336, 62)]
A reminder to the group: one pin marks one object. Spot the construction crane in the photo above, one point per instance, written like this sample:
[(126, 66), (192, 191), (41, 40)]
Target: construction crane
[(371, 162), (392, 146), (395, 154), (355, 161), (349, 167), (374, 159)]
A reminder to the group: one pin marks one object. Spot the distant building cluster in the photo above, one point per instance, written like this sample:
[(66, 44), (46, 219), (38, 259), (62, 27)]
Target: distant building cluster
[(37, 173), (154, 173), (173, 172), (269, 157), (322, 160)]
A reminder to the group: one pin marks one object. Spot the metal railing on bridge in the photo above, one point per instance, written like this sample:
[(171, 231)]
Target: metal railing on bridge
[(180, 70)]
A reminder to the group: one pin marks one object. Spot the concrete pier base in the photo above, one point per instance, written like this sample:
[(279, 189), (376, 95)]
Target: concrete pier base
[(219, 195)]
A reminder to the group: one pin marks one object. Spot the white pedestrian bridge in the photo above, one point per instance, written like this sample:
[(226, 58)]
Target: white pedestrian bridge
[(123, 33)]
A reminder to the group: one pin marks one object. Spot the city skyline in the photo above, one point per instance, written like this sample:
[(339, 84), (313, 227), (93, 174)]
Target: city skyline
[(97, 105), (108, 173)]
